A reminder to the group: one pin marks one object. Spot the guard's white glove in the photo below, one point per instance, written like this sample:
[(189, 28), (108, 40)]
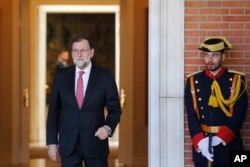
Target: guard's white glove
[(216, 141), (203, 148)]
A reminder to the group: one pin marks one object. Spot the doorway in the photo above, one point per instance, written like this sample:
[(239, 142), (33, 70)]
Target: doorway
[(42, 79)]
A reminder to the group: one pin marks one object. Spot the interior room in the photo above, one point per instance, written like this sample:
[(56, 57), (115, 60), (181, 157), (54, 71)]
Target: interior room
[(39, 29)]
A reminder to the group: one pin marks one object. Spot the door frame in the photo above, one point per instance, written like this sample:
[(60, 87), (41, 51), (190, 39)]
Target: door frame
[(39, 77), (20, 85)]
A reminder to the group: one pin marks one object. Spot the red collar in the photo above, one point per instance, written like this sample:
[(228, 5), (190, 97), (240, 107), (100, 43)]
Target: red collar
[(218, 75)]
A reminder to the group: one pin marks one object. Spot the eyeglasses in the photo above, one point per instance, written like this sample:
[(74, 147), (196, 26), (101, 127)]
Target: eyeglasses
[(82, 51)]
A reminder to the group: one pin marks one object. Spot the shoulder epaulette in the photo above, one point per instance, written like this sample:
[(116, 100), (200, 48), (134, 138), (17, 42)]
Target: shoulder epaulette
[(237, 72), (189, 75)]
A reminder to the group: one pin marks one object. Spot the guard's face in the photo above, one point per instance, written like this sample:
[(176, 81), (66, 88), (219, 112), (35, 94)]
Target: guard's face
[(213, 60), (82, 53)]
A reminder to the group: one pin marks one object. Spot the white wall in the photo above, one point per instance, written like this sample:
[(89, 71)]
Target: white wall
[(166, 83)]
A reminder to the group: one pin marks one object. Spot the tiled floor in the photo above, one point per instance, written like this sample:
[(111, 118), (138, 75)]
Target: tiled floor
[(39, 156), (48, 163), (42, 162)]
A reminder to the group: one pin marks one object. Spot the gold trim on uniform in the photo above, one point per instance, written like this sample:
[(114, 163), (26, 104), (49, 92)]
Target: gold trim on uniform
[(189, 75), (237, 72)]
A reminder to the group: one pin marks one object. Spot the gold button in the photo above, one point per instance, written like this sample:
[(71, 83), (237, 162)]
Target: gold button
[(230, 79)]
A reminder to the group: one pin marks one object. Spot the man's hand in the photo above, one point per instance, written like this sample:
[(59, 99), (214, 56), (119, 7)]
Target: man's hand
[(206, 154), (203, 148), (103, 132), (53, 153), (217, 140)]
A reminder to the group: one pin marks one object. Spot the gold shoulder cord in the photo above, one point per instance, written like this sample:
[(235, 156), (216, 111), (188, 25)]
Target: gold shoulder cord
[(217, 99), (194, 96), (232, 93)]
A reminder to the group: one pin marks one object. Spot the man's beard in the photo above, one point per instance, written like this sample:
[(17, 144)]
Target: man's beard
[(214, 68), (81, 63)]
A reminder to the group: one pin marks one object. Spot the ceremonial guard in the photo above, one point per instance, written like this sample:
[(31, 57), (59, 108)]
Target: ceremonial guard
[(216, 105)]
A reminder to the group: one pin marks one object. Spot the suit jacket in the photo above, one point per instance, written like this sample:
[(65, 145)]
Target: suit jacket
[(214, 116), (66, 122)]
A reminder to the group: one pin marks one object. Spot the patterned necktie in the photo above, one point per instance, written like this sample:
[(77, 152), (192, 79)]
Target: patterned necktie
[(79, 89)]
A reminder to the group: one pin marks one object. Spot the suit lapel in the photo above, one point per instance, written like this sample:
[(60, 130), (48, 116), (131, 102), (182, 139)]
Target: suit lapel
[(94, 75), (71, 76)]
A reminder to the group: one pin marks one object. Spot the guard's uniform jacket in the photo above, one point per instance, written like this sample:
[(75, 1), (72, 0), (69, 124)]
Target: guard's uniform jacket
[(204, 119)]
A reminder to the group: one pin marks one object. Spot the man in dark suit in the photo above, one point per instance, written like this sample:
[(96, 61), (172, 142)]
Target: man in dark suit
[(77, 127), (216, 105)]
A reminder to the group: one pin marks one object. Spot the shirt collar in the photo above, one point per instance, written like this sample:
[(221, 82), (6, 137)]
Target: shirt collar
[(218, 75), (86, 70)]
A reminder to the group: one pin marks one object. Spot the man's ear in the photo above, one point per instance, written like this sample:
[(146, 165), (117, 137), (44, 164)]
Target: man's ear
[(93, 52), (223, 56)]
